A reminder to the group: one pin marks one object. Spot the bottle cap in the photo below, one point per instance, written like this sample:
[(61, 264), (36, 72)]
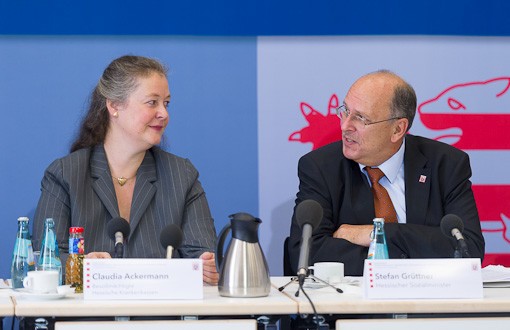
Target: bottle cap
[(74, 230), (23, 219)]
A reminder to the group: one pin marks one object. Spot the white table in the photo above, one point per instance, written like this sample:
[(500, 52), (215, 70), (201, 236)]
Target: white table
[(212, 305), (270, 308), (6, 306), (328, 301)]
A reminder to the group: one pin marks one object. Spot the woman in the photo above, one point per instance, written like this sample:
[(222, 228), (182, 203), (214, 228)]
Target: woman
[(115, 169)]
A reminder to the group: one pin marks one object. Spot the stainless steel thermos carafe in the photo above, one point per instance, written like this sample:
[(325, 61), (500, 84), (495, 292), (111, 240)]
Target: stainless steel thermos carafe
[(243, 269)]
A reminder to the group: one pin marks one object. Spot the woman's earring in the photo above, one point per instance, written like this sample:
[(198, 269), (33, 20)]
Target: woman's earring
[(116, 114)]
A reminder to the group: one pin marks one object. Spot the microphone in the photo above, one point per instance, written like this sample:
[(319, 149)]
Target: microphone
[(118, 230), (308, 216), (171, 238), (451, 225)]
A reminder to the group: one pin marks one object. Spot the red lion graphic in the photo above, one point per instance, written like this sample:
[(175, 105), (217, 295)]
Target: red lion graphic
[(321, 129)]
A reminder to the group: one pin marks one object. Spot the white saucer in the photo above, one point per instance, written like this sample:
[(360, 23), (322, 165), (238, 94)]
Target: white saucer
[(316, 284), (313, 283), (40, 296)]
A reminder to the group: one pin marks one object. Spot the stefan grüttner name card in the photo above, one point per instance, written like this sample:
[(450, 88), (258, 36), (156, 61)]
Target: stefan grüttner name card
[(423, 279)]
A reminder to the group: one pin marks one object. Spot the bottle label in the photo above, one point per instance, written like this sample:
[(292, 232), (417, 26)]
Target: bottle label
[(76, 245), (30, 256), (50, 241), (21, 248), (371, 250)]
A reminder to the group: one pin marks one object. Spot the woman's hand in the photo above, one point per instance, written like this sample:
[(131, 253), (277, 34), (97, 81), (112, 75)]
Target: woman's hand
[(98, 255), (210, 274)]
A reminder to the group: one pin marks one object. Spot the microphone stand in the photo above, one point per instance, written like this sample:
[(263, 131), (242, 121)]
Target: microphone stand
[(462, 250), (314, 278), (119, 250), (462, 246)]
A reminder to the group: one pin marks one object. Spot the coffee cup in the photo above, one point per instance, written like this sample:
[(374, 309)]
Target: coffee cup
[(42, 281), (331, 272)]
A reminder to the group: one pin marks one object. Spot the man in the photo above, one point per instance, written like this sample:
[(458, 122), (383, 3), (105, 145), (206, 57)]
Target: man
[(425, 180)]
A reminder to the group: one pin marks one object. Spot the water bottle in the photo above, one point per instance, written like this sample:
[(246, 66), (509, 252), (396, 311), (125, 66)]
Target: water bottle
[(378, 248), (50, 257), (23, 255)]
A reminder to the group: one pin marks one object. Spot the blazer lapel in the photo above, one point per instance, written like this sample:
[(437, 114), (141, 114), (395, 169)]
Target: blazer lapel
[(362, 198), (144, 189), (103, 185), (417, 182)]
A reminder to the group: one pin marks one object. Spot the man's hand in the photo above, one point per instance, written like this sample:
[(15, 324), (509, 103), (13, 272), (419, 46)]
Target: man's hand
[(356, 234)]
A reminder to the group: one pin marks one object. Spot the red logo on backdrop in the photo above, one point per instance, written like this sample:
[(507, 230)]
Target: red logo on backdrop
[(476, 116), (473, 115), (469, 116), (321, 129), (494, 210)]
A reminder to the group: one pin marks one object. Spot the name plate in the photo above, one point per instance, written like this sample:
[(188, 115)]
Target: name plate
[(422, 279), (107, 279)]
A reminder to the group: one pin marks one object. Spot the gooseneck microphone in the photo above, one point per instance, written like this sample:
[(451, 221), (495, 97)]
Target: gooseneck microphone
[(452, 225), (171, 238), (308, 216), (118, 230)]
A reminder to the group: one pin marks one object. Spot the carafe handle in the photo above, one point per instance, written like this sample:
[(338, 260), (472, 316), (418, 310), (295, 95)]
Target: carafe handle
[(219, 247)]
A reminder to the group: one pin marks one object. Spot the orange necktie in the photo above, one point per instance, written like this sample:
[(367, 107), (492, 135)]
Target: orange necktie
[(382, 202)]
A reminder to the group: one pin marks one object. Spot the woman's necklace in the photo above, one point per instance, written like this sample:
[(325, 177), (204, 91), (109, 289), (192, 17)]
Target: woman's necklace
[(121, 180)]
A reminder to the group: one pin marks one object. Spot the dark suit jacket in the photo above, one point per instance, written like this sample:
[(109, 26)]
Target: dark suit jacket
[(338, 184), (77, 190)]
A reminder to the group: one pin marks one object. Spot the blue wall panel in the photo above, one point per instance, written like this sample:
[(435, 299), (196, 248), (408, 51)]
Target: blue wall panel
[(44, 85)]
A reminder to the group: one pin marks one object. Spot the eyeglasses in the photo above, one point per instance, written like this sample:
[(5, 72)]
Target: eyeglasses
[(343, 112)]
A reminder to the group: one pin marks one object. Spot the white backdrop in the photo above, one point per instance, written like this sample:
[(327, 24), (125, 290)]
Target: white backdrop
[(301, 79)]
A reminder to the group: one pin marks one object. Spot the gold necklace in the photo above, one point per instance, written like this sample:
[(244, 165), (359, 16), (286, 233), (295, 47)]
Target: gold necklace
[(122, 180)]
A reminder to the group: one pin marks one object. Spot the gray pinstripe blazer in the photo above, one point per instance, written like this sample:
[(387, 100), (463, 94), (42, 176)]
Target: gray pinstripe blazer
[(77, 190)]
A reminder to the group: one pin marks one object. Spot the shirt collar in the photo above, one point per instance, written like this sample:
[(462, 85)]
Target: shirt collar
[(391, 166)]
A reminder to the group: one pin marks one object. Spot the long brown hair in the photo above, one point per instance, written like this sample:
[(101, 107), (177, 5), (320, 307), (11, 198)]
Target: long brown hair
[(118, 81)]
